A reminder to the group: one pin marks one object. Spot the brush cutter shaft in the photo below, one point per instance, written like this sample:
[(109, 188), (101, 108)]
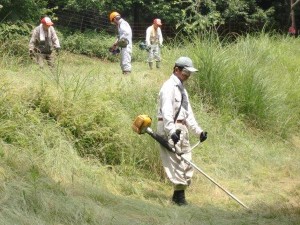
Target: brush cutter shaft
[(142, 125), (160, 140), (208, 177), (169, 147), (164, 142)]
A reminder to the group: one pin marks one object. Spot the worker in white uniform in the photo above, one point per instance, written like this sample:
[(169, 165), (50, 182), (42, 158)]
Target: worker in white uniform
[(154, 41), (175, 119), (124, 41)]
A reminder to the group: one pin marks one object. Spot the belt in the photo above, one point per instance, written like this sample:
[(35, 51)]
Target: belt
[(177, 121)]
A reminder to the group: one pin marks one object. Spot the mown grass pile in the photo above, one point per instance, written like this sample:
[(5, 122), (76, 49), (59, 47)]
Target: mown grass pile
[(68, 154)]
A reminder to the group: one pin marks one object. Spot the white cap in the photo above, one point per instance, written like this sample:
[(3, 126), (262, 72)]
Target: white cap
[(186, 63)]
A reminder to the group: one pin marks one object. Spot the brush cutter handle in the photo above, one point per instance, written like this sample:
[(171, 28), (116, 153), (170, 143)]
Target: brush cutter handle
[(175, 137), (160, 140)]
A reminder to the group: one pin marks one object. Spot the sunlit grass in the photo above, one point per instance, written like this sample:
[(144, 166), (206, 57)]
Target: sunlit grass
[(68, 154)]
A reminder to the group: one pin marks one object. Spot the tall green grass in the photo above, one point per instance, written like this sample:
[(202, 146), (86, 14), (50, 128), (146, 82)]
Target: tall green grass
[(254, 78), (68, 154)]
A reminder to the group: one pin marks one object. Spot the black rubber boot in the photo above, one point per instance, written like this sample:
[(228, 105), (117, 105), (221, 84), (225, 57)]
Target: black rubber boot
[(179, 198), (150, 65)]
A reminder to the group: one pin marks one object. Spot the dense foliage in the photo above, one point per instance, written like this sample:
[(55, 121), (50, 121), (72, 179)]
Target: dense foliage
[(68, 154), (228, 16), (25, 10)]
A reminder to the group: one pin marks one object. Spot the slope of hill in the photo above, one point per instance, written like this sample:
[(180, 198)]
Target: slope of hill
[(68, 154)]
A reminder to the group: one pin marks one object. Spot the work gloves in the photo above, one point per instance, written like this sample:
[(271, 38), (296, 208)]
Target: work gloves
[(176, 136), (203, 136)]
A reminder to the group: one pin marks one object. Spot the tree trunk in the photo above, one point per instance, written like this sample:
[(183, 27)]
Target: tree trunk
[(292, 29)]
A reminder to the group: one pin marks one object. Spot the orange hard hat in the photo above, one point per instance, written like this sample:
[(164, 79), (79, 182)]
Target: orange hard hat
[(157, 22), (113, 15)]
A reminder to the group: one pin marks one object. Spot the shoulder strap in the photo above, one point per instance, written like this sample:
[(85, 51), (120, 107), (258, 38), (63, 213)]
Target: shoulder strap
[(177, 114)]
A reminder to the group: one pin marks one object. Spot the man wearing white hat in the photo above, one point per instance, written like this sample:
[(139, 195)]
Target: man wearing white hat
[(175, 119), (154, 40), (43, 41)]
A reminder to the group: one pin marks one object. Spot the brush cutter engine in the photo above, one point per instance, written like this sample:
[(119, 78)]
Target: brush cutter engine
[(141, 123), (113, 50)]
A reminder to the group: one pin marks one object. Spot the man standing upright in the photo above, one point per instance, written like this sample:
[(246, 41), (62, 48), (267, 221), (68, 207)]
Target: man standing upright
[(124, 41), (175, 119), (42, 42), (154, 40)]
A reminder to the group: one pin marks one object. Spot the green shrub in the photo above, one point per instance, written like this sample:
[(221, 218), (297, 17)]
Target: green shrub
[(91, 44), (95, 44), (10, 31)]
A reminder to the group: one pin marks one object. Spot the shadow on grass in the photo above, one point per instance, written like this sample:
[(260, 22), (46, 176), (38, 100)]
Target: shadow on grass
[(135, 211)]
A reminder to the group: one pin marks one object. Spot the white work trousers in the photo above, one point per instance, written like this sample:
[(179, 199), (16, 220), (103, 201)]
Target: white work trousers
[(177, 171), (154, 53), (126, 59)]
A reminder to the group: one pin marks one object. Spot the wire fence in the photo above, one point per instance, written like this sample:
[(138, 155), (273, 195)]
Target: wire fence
[(93, 20)]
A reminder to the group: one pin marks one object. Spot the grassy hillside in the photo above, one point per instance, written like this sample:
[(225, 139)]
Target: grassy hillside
[(68, 154)]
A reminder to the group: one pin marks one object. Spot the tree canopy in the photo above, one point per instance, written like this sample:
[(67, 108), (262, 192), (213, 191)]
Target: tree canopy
[(187, 15)]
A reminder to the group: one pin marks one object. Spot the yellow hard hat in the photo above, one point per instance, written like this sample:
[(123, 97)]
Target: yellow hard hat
[(113, 15)]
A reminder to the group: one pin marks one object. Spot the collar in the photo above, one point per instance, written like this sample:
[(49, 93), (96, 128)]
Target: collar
[(120, 21), (176, 79)]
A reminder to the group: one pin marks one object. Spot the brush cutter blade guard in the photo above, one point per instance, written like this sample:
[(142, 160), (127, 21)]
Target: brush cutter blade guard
[(114, 50), (141, 123)]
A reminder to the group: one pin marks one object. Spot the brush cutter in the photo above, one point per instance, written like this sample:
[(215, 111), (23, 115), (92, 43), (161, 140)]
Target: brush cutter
[(122, 43), (142, 125), (114, 50), (143, 46)]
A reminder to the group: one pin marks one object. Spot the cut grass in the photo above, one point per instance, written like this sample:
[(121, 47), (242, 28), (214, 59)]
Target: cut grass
[(47, 117)]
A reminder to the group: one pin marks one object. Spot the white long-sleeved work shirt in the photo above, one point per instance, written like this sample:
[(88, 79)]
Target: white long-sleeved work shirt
[(125, 31), (153, 36), (169, 104), (51, 39)]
